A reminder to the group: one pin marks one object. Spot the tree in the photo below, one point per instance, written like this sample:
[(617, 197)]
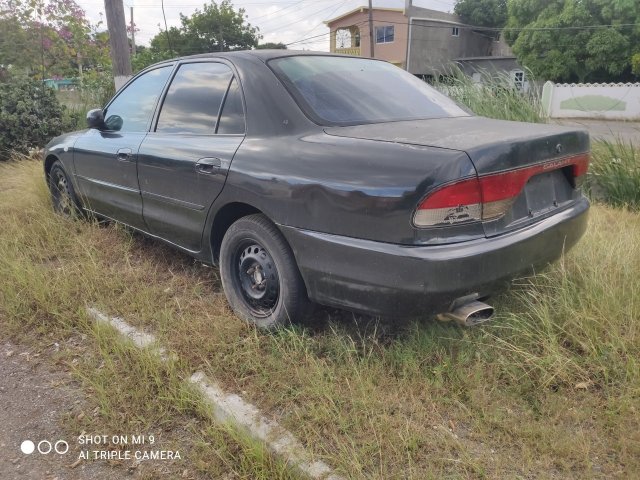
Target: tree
[(574, 40), (51, 38), (146, 56), (272, 45), (217, 27), (482, 13), (635, 64)]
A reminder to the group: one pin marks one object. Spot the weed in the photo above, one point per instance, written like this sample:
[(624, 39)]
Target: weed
[(614, 175), (494, 96)]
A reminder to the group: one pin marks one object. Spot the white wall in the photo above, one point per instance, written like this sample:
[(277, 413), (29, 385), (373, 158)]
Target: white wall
[(611, 101)]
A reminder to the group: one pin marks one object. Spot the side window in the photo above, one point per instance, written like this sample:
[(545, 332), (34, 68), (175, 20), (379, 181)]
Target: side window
[(194, 97), (232, 116), (132, 109)]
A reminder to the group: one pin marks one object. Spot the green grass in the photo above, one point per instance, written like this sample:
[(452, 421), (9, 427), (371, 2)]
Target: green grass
[(614, 174), (550, 388)]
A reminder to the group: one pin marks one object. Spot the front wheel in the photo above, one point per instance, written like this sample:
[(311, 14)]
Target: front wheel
[(63, 196), (259, 274)]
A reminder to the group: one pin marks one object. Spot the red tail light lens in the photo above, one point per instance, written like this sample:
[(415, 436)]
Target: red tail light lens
[(488, 197)]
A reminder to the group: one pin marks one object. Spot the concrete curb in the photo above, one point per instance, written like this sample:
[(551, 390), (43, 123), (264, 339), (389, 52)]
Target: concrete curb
[(230, 409)]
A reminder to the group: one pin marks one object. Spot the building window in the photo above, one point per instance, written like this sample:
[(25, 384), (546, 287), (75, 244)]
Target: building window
[(518, 79), (455, 32), (384, 34), (343, 38)]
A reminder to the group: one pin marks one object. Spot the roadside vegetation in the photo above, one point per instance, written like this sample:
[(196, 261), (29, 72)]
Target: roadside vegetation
[(494, 96), (30, 115), (614, 175)]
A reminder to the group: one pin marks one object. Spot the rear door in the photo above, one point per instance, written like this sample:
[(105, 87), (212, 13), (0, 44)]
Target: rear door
[(106, 160), (183, 163)]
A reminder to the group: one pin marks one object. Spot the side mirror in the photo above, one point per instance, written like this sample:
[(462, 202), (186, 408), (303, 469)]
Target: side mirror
[(113, 123), (95, 119)]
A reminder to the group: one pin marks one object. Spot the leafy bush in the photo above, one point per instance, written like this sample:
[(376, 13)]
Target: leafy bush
[(30, 115), (495, 97), (96, 89), (614, 175)]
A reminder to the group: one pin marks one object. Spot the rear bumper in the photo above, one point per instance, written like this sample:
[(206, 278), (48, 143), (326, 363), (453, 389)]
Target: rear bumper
[(398, 280)]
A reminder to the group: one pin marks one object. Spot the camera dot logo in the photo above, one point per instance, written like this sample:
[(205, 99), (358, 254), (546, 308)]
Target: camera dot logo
[(44, 447), (27, 447), (61, 447)]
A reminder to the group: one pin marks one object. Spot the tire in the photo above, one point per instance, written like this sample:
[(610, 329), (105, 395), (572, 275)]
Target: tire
[(64, 199), (259, 274)]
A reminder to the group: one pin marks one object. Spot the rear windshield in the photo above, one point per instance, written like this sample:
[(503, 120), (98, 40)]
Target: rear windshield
[(352, 91)]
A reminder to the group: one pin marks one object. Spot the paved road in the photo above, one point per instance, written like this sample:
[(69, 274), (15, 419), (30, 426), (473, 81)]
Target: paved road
[(605, 129)]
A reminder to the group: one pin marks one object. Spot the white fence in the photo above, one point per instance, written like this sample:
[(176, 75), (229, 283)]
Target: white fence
[(610, 101)]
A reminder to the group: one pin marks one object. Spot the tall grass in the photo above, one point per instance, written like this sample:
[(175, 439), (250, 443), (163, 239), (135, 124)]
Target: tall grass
[(495, 96), (614, 175)]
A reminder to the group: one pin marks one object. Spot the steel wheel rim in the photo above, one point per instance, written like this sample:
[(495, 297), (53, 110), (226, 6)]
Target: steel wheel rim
[(257, 278), (63, 195)]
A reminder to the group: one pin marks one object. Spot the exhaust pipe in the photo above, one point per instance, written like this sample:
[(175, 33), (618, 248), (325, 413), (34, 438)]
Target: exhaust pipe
[(469, 314)]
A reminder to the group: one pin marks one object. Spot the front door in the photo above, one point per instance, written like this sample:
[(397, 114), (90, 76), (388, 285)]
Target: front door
[(106, 160), (183, 164)]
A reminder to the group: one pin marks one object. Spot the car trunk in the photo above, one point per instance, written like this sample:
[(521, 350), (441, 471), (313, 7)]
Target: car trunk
[(542, 153)]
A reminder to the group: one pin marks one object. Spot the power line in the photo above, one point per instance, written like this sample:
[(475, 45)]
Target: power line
[(177, 5), (520, 29), (298, 20), (474, 27), (330, 15), (277, 11)]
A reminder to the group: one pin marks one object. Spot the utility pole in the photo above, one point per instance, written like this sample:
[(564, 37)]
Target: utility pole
[(79, 60), (133, 34), (371, 33), (119, 41)]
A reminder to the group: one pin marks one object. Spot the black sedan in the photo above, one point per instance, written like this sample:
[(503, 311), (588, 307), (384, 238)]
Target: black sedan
[(310, 177)]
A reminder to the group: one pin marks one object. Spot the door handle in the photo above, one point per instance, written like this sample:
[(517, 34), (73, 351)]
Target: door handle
[(124, 155), (208, 166)]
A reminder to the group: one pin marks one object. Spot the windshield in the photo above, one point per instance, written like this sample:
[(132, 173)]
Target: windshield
[(352, 91)]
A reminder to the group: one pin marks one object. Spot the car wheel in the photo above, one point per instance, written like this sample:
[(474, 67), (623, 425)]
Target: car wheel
[(63, 196), (260, 275)]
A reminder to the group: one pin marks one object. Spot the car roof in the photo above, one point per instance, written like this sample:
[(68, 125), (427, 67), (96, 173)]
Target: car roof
[(262, 54)]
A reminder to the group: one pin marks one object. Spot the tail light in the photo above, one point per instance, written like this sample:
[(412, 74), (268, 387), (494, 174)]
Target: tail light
[(488, 197)]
